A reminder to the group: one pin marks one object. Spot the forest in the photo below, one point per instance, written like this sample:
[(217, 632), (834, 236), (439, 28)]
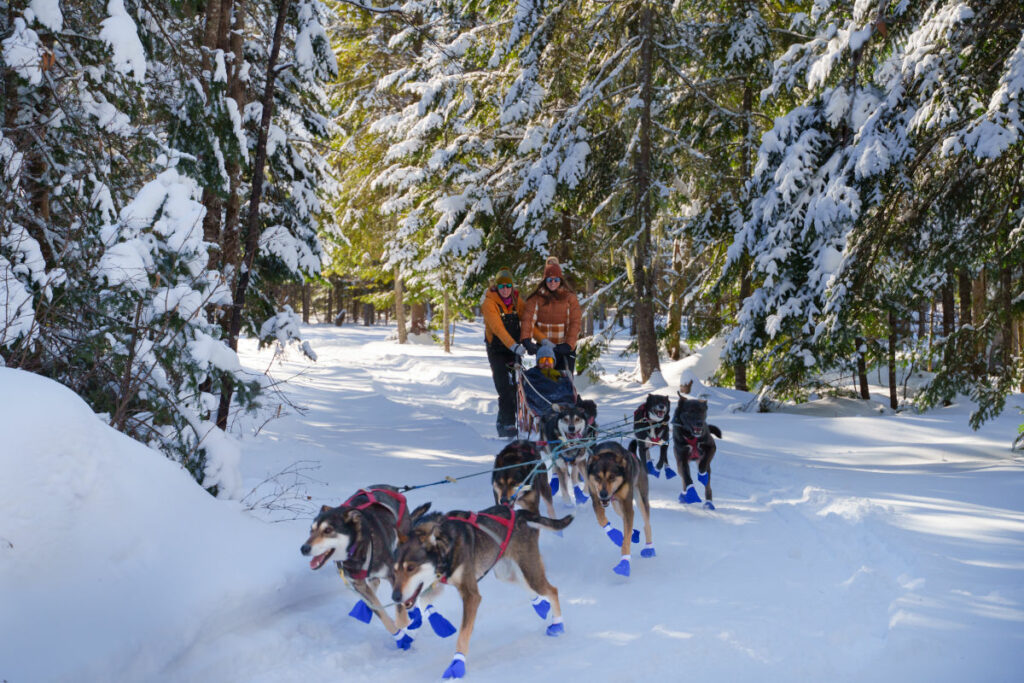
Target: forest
[(828, 187)]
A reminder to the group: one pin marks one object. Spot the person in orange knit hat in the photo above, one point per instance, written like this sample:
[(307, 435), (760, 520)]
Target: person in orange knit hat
[(502, 309), (553, 312)]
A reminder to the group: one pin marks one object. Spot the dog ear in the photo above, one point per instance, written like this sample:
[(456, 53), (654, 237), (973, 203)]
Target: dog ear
[(324, 508), (419, 512), (352, 517), (620, 460)]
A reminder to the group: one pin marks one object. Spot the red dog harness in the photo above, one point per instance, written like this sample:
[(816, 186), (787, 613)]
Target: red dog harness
[(509, 525), (371, 500), (694, 448)]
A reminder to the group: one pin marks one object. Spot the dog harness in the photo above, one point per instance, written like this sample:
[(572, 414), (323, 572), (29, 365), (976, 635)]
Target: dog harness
[(649, 426), (694, 446), (509, 525), (371, 500)]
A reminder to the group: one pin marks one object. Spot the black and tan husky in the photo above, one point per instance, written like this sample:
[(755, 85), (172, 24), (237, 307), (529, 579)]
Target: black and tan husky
[(458, 548), (523, 485), (615, 476), (650, 429), (362, 534), (692, 440), (565, 434)]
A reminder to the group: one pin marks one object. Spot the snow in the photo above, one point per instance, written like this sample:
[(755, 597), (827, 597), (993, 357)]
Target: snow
[(47, 13), (119, 32), (21, 50), (843, 548)]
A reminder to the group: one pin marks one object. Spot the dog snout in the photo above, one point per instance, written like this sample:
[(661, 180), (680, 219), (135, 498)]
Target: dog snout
[(396, 595), (504, 500), (604, 495), (305, 549)]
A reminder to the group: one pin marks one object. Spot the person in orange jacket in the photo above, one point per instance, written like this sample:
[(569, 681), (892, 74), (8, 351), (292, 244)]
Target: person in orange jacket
[(553, 312), (503, 310)]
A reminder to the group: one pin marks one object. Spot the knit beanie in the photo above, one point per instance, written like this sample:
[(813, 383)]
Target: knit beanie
[(552, 269), (546, 350), (504, 277)]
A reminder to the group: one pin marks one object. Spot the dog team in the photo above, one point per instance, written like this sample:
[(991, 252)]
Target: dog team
[(374, 536)]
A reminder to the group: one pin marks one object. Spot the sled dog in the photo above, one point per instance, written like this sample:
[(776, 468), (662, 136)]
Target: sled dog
[(459, 548), (524, 485), (692, 440), (650, 429), (363, 533), (616, 476), (564, 432)]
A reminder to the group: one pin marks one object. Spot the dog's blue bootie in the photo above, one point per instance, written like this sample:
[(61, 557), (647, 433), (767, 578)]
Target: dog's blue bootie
[(709, 505), (622, 568), (635, 537), (541, 606), (554, 484), (704, 477), (670, 473), (441, 626), (689, 496), (362, 612), (415, 619), (457, 669), (648, 551), (402, 639), (613, 533), (581, 497), (555, 629), (652, 470)]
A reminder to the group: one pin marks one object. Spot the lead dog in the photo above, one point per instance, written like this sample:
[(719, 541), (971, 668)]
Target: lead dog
[(365, 531), (692, 440), (615, 476), (524, 485), (459, 548), (564, 431), (651, 428)]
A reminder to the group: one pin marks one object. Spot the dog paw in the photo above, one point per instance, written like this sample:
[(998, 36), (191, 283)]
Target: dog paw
[(651, 470), (670, 473), (704, 477), (635, 536), (441, 626), (648, 551), (581, 497), (402, 639), (689, 496), (457, 669), (613, 533), (415, 619), (555, 629), (541, 606), (709, 505), (362, 612), (622, 568)]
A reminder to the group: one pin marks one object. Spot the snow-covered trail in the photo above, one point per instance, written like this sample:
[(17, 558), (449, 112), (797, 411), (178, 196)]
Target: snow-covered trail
[(842, 548)]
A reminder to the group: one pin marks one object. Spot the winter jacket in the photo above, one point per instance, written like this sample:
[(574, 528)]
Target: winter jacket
[(553, 315), (502, 323)]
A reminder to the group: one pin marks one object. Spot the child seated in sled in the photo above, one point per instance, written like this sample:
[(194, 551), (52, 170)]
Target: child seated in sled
[(544, 385)]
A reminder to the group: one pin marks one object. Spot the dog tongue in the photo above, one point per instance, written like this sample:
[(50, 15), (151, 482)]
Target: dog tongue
[(317, 561)]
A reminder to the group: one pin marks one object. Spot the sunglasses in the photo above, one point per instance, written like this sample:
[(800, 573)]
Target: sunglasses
[(546, 361), (553, 279), (504, 286)]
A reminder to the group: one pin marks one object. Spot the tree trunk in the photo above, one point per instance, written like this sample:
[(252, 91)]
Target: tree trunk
[(305, 302), (964, 285), (252, 234), (588, 320), (1009, 345), (403, 335), (891, 352), (369, 315), (948, 304), (643, 299), (330, 302), (418, 325), (862, 368), (674, 326), (447, 322), (979, 289), (746, 286)]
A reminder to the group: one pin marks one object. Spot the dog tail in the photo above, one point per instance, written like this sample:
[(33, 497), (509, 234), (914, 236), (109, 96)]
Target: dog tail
[(546, 522), (632, 446), (715, 430)]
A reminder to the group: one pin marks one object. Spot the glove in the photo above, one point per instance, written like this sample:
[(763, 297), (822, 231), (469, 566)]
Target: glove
[(563, 349), (530, 346), (519, 350)]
